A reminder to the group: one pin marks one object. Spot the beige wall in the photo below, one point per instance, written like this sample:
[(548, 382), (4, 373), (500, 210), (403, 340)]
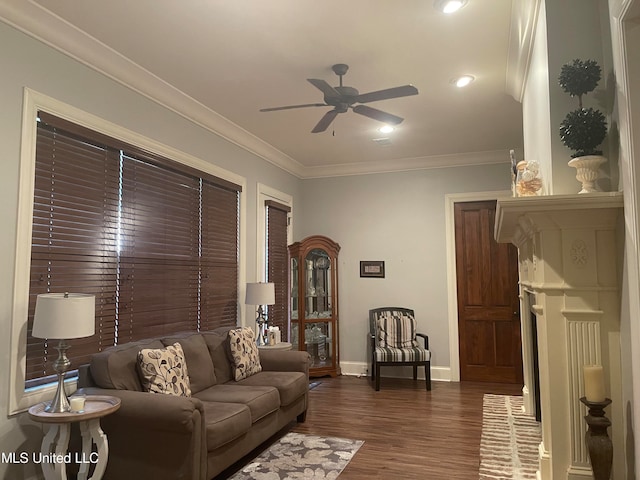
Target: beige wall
[(536, 110)]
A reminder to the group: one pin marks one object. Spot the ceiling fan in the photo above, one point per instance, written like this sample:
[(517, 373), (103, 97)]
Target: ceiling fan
[(343, 98)]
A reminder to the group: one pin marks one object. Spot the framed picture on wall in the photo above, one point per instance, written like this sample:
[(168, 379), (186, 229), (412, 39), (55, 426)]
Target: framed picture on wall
[(372, 268)]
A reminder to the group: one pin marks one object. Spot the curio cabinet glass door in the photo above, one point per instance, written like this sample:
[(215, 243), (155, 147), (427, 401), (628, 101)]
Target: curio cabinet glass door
[(314, 302)]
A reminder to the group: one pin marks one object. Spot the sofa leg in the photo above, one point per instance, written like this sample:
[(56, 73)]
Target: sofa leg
[(302, 417)]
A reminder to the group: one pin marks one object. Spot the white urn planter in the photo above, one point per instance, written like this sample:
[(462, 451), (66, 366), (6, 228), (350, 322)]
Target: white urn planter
[(588, 168)]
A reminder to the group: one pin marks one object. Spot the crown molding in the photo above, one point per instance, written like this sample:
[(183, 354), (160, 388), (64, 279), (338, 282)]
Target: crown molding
[(39, 23), (408, 164), (524, 16)]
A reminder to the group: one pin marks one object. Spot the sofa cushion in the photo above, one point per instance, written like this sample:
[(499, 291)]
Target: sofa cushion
[(244, 352), (290, 385), (261, 400), (225, 422), (116, 367), (218, 344), (196, 353), (164, 370)]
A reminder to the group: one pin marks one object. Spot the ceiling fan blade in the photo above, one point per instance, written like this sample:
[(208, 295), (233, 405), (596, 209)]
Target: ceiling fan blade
[(289, 107), (324, 87), (325, 121), (395, 92), (377, 114)]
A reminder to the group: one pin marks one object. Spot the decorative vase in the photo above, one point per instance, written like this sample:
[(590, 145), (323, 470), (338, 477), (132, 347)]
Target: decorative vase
[(588, 171)]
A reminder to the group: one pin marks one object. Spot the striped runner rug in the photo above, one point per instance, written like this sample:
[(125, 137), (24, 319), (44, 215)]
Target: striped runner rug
[(510, 439)]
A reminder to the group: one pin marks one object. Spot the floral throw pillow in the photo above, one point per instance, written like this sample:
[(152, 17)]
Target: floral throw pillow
[(244, 352), (164, 370)]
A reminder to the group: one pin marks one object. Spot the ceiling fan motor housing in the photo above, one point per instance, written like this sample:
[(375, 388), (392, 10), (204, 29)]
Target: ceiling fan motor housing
[(348, 96)]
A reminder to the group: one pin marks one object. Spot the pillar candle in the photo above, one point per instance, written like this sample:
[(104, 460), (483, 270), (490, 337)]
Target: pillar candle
[(594, 383), (76, 404)]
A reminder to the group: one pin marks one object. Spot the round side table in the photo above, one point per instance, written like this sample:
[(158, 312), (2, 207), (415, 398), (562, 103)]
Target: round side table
[(54, 455), (277, 346)]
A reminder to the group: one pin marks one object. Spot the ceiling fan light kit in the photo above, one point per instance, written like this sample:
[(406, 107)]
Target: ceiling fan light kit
[(342, 98)]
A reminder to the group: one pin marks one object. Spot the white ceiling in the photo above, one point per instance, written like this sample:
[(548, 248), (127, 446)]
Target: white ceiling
[(234, 57)]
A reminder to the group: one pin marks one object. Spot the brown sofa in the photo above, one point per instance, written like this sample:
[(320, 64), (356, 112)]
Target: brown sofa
[(155, 436)]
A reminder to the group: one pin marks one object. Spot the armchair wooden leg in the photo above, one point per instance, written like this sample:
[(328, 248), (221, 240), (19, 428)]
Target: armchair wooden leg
[(427, 375), (377, 377), (415, 372)]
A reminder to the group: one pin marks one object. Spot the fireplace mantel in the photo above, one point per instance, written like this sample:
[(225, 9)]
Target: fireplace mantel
[(569, 256), (510, 211)]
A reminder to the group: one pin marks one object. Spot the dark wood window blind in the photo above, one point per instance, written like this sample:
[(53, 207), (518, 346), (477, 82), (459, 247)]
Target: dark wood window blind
[(74, 237), (154, 240), (220, 248), (278, 264), (159, 251)]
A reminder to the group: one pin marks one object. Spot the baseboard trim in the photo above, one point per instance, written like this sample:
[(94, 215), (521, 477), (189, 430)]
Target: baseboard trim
[(361, 369)]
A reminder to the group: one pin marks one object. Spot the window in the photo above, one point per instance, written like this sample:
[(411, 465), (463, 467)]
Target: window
[(155, 240), (277, 263)]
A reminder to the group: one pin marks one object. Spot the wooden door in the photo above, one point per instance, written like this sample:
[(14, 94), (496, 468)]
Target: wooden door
[(488, 304)]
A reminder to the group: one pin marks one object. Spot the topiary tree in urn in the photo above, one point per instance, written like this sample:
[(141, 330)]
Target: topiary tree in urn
[(584, 129)]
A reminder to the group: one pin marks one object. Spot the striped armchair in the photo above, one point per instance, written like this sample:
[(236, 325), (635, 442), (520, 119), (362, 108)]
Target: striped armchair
[(393, 341)]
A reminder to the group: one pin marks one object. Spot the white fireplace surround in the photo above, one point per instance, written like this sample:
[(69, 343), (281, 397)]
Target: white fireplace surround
[(569, 254)]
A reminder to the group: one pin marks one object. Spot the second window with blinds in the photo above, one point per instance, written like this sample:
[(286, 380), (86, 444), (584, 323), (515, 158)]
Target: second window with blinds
[(277, 263)]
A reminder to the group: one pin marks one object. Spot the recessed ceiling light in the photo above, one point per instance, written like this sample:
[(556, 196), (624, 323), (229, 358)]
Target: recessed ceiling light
[(386, 129), (463, 81), (450, 6)]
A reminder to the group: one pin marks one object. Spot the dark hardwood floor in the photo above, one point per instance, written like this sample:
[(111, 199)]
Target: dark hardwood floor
[(409, 433)]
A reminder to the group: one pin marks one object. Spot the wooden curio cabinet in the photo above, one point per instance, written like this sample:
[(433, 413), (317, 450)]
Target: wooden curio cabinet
[(314, 302)]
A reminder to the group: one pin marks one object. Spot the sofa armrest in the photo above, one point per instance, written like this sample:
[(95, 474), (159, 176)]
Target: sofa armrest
[(154, 436), (152, 411), (285, 361)]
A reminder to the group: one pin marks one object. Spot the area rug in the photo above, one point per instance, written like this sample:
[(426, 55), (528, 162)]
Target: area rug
[(510, 439), (300, 456)]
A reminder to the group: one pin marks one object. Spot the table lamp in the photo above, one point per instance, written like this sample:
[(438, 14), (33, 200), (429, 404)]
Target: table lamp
[(261, 294), (63, 316)]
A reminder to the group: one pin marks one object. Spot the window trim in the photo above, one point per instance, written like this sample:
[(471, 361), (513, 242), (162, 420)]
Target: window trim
[(19, 398)]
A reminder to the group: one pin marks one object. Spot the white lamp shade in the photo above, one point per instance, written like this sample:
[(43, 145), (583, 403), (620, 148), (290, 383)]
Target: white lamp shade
[(260, 294), (64, 316)]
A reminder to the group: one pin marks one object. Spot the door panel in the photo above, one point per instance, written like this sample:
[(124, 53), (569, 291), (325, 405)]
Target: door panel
[(488, 304)]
